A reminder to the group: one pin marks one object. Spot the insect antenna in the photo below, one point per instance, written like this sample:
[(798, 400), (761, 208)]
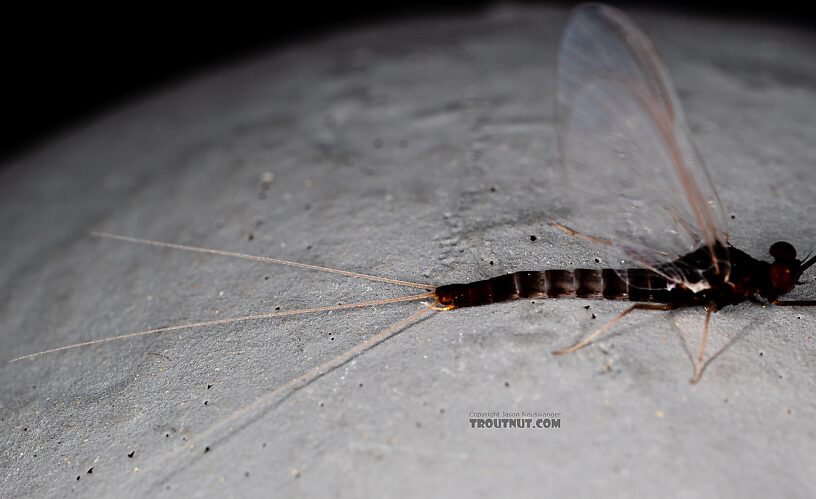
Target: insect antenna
[(218, 322), (264, 259), (809, 260)]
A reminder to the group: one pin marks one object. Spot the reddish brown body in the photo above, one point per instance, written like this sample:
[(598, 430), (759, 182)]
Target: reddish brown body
[(696, 282)]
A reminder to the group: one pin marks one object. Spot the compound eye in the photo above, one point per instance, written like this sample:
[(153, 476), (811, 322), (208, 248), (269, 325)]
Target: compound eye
[(782, 277), (782, 250)]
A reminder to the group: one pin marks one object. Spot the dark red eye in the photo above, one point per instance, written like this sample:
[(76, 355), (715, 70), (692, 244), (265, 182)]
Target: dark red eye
[(782, 250), (782, 277)]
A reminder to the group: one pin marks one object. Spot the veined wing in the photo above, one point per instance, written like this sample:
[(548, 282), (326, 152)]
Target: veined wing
[(629, 162)]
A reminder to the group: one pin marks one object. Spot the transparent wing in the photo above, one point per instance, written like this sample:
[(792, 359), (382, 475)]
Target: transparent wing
[(629, 164)]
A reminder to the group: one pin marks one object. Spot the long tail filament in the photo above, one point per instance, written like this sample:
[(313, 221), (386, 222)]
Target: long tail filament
[(262, 259), (218, 322)]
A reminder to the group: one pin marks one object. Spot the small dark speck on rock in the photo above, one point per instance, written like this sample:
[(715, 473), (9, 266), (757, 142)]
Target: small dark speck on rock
[(507, 384), (251, 236), (597, 260), (307, 207), (131, 453), (586, 307), (308, 247), (491, 262), (206, 402), (492, 189), (263, 444), (533, 238), (246, 474), (77, 478), (277, 308), (206, 449), (733, 217), (266, 278), (761, 354), (361, 385), (90, 470), (209, 386), (25, 429), (593, 316)]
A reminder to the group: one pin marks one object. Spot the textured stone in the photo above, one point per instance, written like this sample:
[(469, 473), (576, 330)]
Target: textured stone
[(422, 151)]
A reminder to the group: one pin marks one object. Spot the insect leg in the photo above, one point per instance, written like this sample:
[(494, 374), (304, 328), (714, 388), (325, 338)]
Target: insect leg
[(589, 339), (698, 363), (580, 235), (794, 303), (809, 260), (683, 224)]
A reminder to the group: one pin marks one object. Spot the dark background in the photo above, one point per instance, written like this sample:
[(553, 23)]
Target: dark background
[(64, 65)]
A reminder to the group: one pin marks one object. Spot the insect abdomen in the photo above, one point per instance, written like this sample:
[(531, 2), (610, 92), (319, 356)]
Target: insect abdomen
[(644, 285)]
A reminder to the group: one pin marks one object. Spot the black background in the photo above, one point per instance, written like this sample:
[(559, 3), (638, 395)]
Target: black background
[(63, 65)]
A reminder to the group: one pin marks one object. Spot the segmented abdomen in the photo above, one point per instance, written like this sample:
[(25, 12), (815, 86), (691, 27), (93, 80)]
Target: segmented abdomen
[(640, 285)]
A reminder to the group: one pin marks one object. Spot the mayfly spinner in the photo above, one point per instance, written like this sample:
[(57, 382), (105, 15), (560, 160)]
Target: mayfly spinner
[(625, 150)]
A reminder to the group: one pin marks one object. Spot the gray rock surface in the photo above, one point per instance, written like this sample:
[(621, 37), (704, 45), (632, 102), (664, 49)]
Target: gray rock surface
[(416, 150)]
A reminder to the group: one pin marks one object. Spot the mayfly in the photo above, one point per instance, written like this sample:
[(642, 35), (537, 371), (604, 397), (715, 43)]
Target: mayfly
[(625, 150)]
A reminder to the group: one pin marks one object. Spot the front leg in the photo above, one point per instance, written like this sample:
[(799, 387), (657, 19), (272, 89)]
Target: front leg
[(698, 363), (794, 303)]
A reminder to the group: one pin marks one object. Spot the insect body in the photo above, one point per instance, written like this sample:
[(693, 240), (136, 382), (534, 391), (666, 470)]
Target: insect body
[(626, 155), (746, 278)]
